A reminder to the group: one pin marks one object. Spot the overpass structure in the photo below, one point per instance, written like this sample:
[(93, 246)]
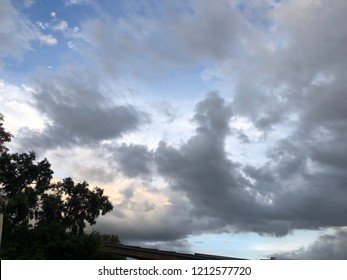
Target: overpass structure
[(155, 254)]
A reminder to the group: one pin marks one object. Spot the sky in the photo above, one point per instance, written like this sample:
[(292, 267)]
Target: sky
[(215, 127)]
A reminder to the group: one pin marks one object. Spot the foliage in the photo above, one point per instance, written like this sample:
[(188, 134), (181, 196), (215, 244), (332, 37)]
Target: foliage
[(23, 183), (44, 219), (110, 238), (50, 241), (32, 198), (73, 205), (4, 136)]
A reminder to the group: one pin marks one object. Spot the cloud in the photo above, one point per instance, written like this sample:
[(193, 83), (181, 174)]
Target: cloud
[(211, 30), (179, 246), (312, 155), (275, 198), (215, 186), (76, 2), (326, 247), (53, 14), (293, 50), (17, 33), (61, 26), (296, 90), (194, 176), (133, 160), (282, 71), (200, 167), (161, 40), (78, 113), (15, 106), (202, 191), (147, 214), (304, 178), (28, 3), (287, 87), (48, 40)]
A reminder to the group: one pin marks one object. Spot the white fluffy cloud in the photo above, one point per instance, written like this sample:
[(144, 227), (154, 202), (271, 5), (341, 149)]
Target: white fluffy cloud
[(48, 40)]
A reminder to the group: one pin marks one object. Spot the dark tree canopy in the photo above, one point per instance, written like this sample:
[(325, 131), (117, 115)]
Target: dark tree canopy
[(38, 211), (31, 199), (23, 183), (73, 205)]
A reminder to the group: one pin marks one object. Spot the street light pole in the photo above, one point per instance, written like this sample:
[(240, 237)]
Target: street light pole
[(2, 208), (1, 222)]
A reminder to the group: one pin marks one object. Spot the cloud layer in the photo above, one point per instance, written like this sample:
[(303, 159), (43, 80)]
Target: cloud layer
[(17, 33), (78, 113), (238, 79), (327, 247), (276, 198)]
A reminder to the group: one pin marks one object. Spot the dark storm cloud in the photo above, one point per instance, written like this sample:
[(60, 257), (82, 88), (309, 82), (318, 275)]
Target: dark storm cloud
[(131, 233), (263, 106), (309, 166), (201, 170), (304, 193), (326, 247), (307, 51), (299, 83), (302, 186), (133, 160), (169, 224), (78, 112), (215, 186), (221, 195), (212, 30), (193, 32), (280, 196), (203, 182)]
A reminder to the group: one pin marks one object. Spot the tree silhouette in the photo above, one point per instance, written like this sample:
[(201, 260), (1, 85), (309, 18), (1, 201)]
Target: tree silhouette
[(73, 205), (38, 211), (4, 135)]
